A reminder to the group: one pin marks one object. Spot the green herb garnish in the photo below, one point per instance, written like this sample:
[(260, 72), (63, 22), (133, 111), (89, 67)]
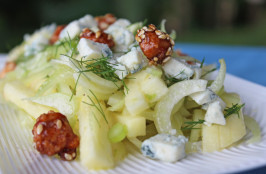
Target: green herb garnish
[(208, 72), (227, 112), (96, 104), (233, 110), (202, 62), (172, 80), (101, 67), (192, 124)]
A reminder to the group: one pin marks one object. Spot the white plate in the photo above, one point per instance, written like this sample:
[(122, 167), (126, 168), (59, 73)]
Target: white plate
[(18, 156)]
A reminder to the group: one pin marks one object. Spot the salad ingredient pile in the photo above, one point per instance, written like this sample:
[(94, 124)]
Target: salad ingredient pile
[(95, 86)]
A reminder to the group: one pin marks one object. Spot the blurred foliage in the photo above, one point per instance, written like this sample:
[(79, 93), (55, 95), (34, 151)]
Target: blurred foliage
[(239, 22)]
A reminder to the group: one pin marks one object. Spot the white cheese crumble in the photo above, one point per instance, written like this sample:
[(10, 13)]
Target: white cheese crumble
[(122, 37), (213, 104), (133, 60), (89, 49), (121, 23), (204, 97), (75, 27), (71, 30), (87, 22), (165, 147), (38, 40), (178, 69), (215, 113), (121, 70)]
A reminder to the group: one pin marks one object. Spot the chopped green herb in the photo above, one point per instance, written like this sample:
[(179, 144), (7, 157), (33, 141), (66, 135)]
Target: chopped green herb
[(228, 111), (233, 110), (103, 68), (97, 105), (192, 124), (202, 62), (100, 67), (208, 72), (75, 88), (172, 80)]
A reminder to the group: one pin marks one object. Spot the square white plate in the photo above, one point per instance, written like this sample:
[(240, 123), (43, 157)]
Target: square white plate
[(18, 156)]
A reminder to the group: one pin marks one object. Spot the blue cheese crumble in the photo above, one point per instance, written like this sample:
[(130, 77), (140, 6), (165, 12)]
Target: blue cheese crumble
[(165, 147), (38, 40), (215, 113), (75, 27), (123, 38), (204, 97), (178, 69), (89, 49), (133, 60)]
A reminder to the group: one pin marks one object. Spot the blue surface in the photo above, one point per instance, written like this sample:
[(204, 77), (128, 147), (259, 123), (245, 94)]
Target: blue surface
[(245, 62)]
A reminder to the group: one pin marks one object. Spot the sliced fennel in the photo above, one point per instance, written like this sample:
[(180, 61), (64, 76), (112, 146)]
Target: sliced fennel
[(62, 75), (162, 28), (59, 101), (95, 147), (254, 127), (134, 27), (218, 83), (17, 93), (164, 107)]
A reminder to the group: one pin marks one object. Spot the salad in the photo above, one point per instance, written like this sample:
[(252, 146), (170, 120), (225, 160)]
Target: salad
[(94, 87)]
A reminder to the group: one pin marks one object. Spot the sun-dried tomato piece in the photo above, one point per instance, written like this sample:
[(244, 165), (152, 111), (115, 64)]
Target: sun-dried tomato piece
[(99, 36), (105, 21), (52, 135), (56, 34), (156, 45), (9, 66)]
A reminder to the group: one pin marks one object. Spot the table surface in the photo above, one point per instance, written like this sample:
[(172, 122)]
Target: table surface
[(246, 62)]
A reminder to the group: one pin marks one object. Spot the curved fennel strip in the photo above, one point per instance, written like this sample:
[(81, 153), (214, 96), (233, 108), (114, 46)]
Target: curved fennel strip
[(219, 81), (107, 84), (254, 127), (164, 107)]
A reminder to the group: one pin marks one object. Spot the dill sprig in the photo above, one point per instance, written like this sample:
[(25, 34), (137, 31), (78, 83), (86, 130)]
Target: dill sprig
[(75, 88), (208, 72), (96, 104), (233, 110), (66, 43), (227, 112), (192, 124), (202, 62), (172, 80), (101, 66), (73, 44)]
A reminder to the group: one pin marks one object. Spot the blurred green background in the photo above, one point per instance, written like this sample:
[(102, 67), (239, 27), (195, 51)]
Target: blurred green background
[(230, 22)]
